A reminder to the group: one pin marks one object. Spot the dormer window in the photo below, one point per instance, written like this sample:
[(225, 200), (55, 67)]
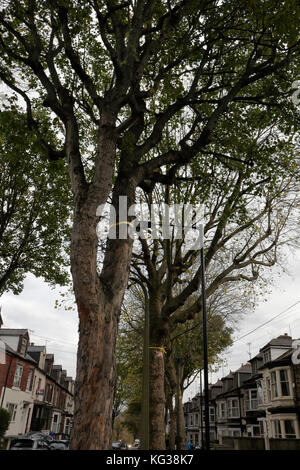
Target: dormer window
[(267, 356), (23, 346)]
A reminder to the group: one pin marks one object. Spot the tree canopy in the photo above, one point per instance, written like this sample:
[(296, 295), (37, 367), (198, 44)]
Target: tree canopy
[(34, 211)]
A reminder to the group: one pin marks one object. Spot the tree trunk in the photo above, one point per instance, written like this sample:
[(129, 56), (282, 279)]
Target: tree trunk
[(99, 299), (181, 437), (95, 379), (158, 335)]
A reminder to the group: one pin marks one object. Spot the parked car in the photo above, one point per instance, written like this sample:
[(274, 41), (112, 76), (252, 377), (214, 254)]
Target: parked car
[(59, 445), (29, 444), (119, 445), (38, 435)]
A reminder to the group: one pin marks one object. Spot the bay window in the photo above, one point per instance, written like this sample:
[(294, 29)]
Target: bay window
[(233, 408), (284, 383), (274, 388)]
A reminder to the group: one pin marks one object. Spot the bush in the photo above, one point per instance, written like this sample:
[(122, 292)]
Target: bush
[(4, 421)]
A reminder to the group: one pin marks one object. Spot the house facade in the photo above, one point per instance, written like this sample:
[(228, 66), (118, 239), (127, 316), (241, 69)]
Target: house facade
[(37, 393), (261, 399)]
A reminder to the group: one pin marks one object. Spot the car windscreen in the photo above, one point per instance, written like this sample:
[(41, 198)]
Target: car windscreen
[(24, 443)]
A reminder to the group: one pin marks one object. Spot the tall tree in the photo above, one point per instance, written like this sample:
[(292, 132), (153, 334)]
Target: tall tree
[(115, 74), (34, 211)]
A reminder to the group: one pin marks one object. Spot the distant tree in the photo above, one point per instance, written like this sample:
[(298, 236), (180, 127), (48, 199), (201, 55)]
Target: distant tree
[(35, 208)]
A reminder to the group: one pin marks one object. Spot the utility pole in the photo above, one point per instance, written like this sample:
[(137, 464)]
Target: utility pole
[(205, 349), (145, 391)]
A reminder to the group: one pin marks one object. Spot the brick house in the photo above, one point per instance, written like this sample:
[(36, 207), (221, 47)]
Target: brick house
[(37, 393), (16, 380)]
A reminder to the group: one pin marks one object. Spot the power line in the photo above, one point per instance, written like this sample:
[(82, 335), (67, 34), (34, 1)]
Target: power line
[(52, 339), (265, 323)]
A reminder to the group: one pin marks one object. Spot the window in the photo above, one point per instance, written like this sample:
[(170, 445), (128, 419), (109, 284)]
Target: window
[(274, 385), (18, 376), (251, 402), (262, 425), (233, 408), (253, 431), (55, 424), (267, 356), (284, 383), (221, 410), (289, 429), (211, 415), (268, 389), (12, 409), (277, 428), (28, 385), (48, 393)]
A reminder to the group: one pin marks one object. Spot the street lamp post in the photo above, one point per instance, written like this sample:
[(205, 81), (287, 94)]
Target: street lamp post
[(205, 352), (201, 412)]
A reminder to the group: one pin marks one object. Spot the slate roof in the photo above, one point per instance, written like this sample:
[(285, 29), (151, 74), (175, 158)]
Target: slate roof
[(12, 332), (282, 340), (36, 348), (11, 350)]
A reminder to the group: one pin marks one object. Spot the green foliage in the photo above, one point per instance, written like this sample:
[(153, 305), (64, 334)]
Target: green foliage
[(4, 421), (35, 208)]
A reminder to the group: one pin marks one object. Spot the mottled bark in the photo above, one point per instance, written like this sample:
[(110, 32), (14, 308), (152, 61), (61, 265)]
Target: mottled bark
[(181, 437), (158, 335), (99, 298)]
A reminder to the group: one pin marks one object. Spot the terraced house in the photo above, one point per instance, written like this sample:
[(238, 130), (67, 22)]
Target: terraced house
[(37, 393), (260, 401)]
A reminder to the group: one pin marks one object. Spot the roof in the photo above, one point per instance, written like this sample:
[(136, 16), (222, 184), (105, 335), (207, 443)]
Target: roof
[(218, 383), (244, 368), (257, 357), (229, 376), (12, 351), (12, 332), (50, 356), (36, 348), (57, 366), (282, 340)]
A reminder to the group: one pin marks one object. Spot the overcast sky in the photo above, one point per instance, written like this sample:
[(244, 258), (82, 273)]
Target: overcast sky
[(34, 309)]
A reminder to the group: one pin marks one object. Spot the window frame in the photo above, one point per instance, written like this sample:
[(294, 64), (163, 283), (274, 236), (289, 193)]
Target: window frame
[(18, 377), (13, 413), (231, 408)]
